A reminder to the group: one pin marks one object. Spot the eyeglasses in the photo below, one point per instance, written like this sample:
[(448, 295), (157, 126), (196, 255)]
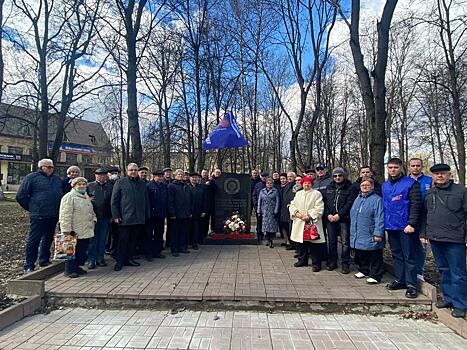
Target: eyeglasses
[(337, 175), (49, 166)]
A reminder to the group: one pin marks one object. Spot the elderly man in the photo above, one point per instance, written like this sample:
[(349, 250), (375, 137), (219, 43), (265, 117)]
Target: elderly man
[(143, 173), (158, 197), (446, 214), (40, 194), (130, 209), (168, 175), (100, 192)]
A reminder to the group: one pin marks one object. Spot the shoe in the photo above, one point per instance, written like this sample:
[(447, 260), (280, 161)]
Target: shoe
[(331, 267), (443, 304), (268, 243), (359, 275), (132, 263), (421, 278), (289, 248), (72, 275), (411, 293), (149, 258), (175, 254), (316, 268), (26, 271), (107, 252), (81, 272), (283, 245), (395, 285), (186, 251), (300, 264), (296, 255), (101, 263), (91, 265), (345, 269), (159, 256), (271, 244), (371, 281), (458, 313), (118, 267), (47, 263), (195, 247)]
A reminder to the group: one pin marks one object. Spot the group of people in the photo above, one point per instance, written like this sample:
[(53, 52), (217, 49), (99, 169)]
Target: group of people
[(127, 216), (409, 210)]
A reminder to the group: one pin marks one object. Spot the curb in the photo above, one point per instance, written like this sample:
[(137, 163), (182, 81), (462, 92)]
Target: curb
[(18, 311)]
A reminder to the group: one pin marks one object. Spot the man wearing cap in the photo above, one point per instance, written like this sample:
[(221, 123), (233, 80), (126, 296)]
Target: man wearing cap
[(130, 209), (402, 200), (310, 173), (158, 201), (143, 173), (168, 175), (40, 194), (100, 192), (415, 172), (446, 214), (259, 219), (338, 199), (323, 179), (199, 208)]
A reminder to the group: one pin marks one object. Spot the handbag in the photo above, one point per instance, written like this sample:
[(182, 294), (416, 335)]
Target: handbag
[(310, 232), (65, 246)]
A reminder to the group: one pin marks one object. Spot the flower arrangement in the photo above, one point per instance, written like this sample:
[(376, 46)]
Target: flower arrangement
[(234, 224)]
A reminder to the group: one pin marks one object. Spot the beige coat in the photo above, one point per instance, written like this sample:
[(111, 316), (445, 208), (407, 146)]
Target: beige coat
[(309, 203), (77, 214)]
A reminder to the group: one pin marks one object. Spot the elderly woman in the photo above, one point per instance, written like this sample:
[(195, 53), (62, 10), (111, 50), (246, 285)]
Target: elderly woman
[(77, 218), (307, 206), (367, 232), (268, 208), (71, 173)]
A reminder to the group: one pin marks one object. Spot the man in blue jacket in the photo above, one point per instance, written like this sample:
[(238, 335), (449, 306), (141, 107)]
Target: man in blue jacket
[(415, 171), (402, 201), (40, 194), (157, 191)]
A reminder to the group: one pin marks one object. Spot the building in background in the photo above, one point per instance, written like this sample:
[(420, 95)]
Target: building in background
[(85, 144)]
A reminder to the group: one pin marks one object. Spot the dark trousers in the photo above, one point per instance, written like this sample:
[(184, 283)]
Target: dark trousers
[(112, 238), (41, 236), (140, 241), (259, 226), (80, 256), (127, 235), (169, 232), (195, 232), (370, 263), (333, 230), (179, 235), (284, 229), (404, 253), (97, 243), (204, 229), (323, 249), (313, 250), (450, 259), (154, 236)]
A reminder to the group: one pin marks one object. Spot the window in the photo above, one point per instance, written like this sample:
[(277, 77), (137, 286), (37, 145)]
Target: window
[(87, 159), (71, 158), (92, 138), (17, 172), (15, 150)]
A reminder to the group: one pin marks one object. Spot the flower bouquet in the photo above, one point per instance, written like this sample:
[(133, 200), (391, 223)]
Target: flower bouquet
[(234, 228)]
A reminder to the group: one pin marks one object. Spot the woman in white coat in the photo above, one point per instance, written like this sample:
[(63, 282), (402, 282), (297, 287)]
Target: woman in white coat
[(77, 217), (307, 206)]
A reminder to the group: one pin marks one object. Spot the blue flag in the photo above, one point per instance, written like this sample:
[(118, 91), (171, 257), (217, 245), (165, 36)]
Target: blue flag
[(225, 135)]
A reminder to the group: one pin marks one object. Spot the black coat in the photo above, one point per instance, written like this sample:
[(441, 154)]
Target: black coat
[(322, 183), (199, 200), (446, 214), (287, 196), (179, 200), (130, 201), (101, 194), (338, 199), (158, 199), (66, 185), (40, 195)]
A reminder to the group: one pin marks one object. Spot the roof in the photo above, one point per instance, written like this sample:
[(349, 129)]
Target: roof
[(18, 121)]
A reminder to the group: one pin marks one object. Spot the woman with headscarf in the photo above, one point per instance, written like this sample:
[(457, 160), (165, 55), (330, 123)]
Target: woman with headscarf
[(307, 207)]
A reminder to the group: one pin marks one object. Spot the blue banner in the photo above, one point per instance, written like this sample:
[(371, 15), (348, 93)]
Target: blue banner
[(225, 135)]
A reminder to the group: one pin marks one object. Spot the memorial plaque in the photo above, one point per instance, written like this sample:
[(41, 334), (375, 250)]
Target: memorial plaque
[(232, 194)]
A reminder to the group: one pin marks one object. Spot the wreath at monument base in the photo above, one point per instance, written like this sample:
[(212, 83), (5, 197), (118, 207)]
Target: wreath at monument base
[(234, 228)]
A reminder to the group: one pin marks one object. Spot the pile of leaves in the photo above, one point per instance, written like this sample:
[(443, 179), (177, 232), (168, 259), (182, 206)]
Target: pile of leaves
[(423, 315), (14, 226)]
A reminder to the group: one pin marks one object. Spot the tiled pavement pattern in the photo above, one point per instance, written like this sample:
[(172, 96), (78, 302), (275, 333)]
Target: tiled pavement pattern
[(227, 273), (83, 329)]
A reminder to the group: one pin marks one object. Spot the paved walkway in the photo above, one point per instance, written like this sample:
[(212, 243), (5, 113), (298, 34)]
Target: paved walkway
[(83, 329), (227, 273)]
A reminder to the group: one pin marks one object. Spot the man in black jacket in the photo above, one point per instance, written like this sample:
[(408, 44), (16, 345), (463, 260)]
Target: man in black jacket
[(365, 171), (199, 208), (338, 199), (158, 196), (179, 209), (130, 209), (100, 192), (40, 194), (288, 195), (446, 215)]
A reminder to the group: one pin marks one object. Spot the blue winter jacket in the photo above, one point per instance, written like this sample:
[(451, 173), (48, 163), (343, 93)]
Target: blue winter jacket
[(40, 195), (367, 221), (158, 199)]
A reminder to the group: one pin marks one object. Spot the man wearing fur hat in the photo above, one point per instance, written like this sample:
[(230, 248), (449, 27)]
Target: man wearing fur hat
[(338, 199)]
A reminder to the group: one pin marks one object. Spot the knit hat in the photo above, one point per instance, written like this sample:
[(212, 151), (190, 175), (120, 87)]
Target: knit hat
[(73, 168), (306, 179), (78, 180), (338, 170)]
